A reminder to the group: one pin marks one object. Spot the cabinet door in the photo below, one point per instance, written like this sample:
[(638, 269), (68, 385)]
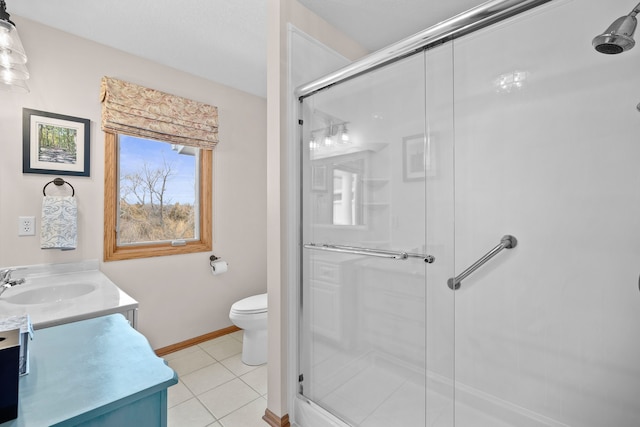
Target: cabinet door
[(150, 411)]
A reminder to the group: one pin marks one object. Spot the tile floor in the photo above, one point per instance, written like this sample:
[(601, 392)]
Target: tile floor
[(215, 388)]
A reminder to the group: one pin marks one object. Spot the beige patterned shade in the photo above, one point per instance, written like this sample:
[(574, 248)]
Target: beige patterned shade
[(148, 113)]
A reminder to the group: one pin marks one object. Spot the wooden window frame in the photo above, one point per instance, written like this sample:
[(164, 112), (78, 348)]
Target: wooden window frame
[(113, 252)]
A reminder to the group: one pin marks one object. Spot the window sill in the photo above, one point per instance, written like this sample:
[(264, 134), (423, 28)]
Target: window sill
[(150, 251)]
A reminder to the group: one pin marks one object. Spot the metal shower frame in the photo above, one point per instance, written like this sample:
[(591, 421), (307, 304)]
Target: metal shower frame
[(467, 22)]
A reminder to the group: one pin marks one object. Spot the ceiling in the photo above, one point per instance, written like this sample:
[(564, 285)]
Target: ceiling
[(225, 40)]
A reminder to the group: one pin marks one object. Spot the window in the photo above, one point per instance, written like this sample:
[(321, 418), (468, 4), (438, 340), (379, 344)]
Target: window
[(158, 172), (157, 198)]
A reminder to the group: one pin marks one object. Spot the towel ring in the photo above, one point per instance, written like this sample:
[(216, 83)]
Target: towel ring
[(59, 182)]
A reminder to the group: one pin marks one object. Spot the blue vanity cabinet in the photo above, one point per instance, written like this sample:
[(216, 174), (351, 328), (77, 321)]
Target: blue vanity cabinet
[(97, 372)]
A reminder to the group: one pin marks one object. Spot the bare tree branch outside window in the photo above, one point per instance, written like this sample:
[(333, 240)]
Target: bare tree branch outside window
[(147, 211)]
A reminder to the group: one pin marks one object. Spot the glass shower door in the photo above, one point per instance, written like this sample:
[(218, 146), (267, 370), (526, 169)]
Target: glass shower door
[(547, 150), (376, 336)]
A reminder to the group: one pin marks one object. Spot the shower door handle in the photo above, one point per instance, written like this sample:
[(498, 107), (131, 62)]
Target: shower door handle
[(380, 253)]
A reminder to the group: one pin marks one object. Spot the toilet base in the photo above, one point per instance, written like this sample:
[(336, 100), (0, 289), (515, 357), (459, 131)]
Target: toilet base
[(254, 347)]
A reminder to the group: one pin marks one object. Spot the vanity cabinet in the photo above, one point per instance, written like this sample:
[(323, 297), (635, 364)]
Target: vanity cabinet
[(97, 372), (392, 300), (332, 296)]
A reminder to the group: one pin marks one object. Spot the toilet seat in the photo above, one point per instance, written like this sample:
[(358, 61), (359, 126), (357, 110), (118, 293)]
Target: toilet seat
[(251, 305)]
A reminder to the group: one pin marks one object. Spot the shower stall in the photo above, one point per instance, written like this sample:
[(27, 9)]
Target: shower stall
[(470, 227)]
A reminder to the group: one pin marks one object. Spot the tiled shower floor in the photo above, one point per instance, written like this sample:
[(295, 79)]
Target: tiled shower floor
[(215, 388)]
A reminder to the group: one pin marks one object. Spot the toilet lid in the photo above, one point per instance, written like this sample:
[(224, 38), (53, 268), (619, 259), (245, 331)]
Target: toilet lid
[(254, 304)]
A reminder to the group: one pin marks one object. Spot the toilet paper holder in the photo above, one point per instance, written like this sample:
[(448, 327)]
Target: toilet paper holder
[(218, 265)]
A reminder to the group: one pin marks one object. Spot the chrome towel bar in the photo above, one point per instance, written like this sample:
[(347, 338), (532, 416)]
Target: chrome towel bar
[(507, 242), (381, 253)]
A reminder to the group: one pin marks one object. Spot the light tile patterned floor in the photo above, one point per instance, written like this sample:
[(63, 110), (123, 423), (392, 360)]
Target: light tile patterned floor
[(215, 388)]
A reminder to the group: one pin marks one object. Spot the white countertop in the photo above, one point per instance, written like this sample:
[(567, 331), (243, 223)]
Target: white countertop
[(107, 298)]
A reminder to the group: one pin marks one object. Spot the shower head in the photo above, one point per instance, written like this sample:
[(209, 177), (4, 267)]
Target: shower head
[(619, 36)]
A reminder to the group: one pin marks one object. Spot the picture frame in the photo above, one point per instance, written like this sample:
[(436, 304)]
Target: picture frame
[(319, 178), (413, 158), (55, 144)]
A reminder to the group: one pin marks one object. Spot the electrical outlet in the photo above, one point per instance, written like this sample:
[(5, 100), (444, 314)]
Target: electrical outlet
[(27, 226)]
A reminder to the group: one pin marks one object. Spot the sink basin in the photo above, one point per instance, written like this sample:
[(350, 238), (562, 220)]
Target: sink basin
[(50, 294)]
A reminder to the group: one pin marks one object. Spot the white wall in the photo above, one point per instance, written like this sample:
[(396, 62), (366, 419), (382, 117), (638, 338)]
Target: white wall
[(179, 298)]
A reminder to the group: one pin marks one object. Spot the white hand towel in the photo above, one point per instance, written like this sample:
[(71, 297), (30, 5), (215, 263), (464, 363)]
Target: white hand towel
[(59, 223)]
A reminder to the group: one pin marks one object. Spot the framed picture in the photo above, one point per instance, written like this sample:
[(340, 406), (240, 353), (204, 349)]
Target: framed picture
[(319, 178), (418, 157), (55, 144), (413, 158)]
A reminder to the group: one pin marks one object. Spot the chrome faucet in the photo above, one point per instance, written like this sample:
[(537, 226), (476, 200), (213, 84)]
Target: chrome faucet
[(6, 281)]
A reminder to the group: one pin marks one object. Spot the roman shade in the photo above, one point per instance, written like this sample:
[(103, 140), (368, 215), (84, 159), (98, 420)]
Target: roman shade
[(147, 113)]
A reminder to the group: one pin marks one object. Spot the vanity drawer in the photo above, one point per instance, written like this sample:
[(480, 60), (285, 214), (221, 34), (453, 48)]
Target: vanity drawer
[(396, 304), (326, 271)]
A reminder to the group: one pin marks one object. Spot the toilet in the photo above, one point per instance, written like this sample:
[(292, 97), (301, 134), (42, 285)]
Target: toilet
[(250, 314)]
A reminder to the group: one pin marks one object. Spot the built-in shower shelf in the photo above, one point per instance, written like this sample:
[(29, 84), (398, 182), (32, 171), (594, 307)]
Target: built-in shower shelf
[(375, 182), (340, 150), (378, 244)]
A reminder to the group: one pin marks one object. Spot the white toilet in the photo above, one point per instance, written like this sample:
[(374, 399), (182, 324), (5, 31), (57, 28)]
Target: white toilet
[(250, 314)]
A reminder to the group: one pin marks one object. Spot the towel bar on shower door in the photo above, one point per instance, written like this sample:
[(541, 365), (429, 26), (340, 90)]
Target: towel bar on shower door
[(381, 253), (507, 242)]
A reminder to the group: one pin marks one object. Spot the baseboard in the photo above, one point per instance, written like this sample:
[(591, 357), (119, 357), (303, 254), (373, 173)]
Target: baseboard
[(275, 421), (197, 340)]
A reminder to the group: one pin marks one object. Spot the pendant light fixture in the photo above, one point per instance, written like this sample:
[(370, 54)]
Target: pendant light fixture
[(13, 71)]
